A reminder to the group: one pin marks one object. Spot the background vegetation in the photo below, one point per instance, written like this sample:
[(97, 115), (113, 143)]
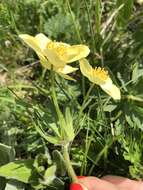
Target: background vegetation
[(110, 134)]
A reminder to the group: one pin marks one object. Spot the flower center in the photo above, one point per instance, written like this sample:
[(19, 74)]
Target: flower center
[(59, 47), (101, 73)]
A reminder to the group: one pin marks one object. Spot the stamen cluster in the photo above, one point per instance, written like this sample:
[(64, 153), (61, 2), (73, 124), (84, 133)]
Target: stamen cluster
[(101, 73), (59, 47)]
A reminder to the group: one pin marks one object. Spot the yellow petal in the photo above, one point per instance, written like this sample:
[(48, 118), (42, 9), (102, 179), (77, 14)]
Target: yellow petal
[(53, 57), (66, 76), (42, 40), (98, 75), (85, 67), (67, 69), (61, 71), (44, 62), (140, 2), (31, 41), (75, 52), (111, 89)]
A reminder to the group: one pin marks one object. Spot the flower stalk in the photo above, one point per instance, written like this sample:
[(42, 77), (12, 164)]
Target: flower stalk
[(53, 94), (68, 164), (65, 146)]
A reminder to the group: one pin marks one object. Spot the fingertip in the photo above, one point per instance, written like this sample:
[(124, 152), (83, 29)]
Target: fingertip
[(76, 186), (81, 177), (96, 184)]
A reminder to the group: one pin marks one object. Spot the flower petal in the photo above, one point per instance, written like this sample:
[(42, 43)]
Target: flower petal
[(97, 75), (100, 77), (31, 41), (61, 71), (53, 57), (66, 76), (67, 69), (75, 52), (42, 40), (85, 67), (44, 62), (111, 89)]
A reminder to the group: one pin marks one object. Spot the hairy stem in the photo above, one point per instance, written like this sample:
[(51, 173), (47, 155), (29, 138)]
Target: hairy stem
[(68, 164)]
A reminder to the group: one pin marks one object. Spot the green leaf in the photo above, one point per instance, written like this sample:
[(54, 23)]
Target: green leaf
[(69, 124), (7, 154), (58, 183), (49, 175), (21, 170), (109, 108), (98, 14), (66, 124), (58, 159), (125, 12), (14, 185), (49, 138), (137, 72), (2, 183), (58, 24)]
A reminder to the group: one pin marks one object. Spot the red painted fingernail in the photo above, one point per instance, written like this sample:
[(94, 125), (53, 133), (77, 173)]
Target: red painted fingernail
[(80, 177), (75, 186)]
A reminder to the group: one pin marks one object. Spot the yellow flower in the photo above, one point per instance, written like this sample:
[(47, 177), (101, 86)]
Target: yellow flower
[(62, 71), (140, 2), (55, 53), (100, 77)]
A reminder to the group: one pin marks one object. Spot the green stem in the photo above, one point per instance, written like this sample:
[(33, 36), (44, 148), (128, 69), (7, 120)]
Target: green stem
[(85, 100), (54, 96), (68, 164), (90, 25), (134, 98), (74, 22), (83, 106), (83, 85)]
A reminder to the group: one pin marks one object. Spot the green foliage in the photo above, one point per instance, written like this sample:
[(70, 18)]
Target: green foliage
[(14, 185), (19, 170), (7, 154), (126, 11), (56, 26), (58, 159), (109, 134)]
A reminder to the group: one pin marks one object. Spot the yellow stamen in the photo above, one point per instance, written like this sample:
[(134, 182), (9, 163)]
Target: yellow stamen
[(101, 73), (59, 47)]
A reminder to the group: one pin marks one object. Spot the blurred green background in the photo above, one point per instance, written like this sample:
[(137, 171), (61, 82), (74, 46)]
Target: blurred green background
[(111, 133)]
